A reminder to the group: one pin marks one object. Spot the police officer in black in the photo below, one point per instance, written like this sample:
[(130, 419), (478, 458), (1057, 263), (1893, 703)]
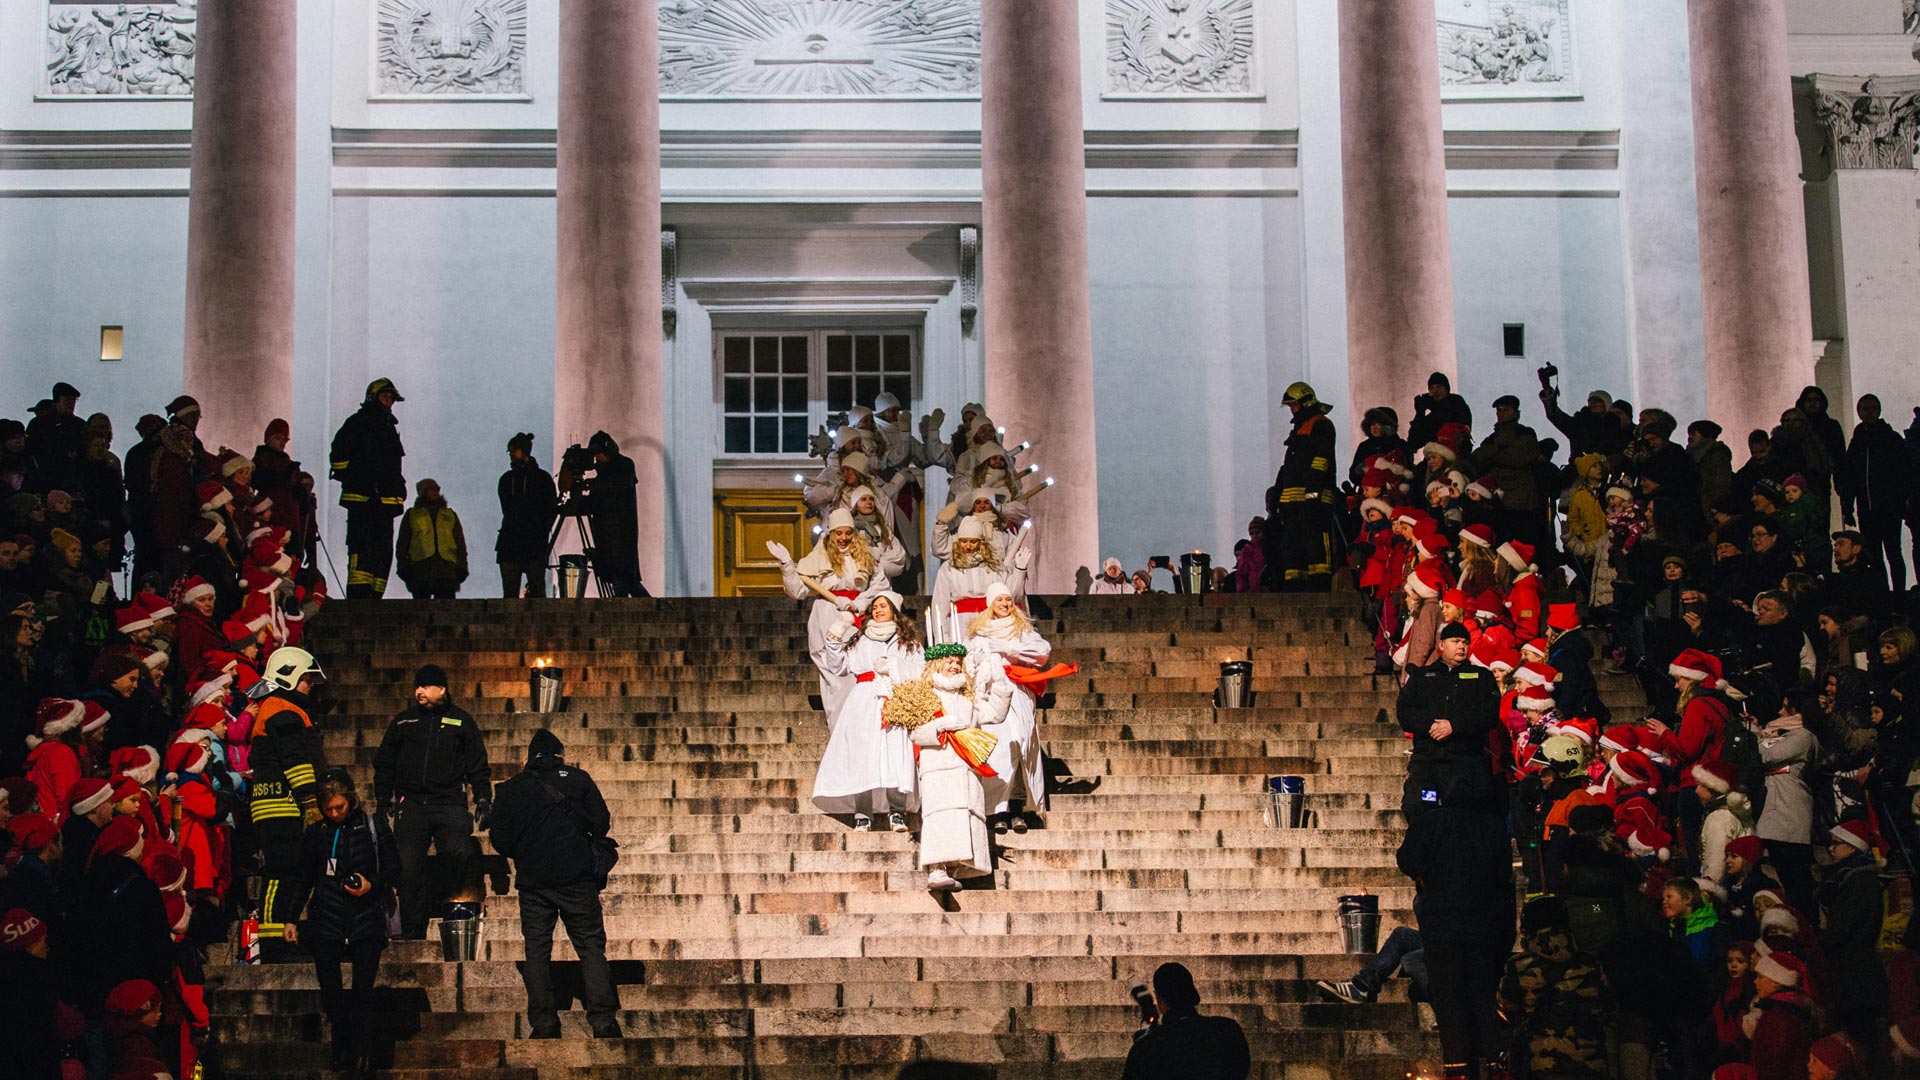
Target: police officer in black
[(366, 461), (1450, 708), (432, 754)]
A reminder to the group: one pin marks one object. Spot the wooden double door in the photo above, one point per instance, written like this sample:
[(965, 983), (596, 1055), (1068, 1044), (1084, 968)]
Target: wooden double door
[(744, 520)]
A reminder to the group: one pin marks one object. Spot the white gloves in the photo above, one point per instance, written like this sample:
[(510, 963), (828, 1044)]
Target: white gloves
[(780, 553), (841, 629), (1021, 558), (883, 666)]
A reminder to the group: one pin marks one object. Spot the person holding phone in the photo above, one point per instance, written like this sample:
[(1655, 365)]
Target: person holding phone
[(341, 892)]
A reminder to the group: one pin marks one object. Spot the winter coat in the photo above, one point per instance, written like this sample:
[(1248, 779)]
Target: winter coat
[(1509, 452), (1458, 769), (1878, 478), (616, 516), (1729, 817), (54, 767), (175, 507), (430, 547), (1782, 1035), (288, 758), (195, 637), (529, 826), (1429, 418), (433, 755), (1713, 460), (329, 855), (1852, 905), (366, 458), (527, 508), (1461, 863), (125, 936), (1559, 1005), (1577, 694), (1787, 748), (1587, 432)]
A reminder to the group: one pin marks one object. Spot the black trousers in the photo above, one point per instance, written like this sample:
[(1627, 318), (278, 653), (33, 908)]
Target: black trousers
[(279, 840), (579, 905), (448, 828), (349, 1012), (1881, 531), (369, 551), (533, 570), (1463, 982)]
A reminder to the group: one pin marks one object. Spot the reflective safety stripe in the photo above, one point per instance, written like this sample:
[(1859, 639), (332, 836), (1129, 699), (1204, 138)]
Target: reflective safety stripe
[(338, 465), (270, 809), (300, 775), (349, 497), (1320, 464), (394, 500)]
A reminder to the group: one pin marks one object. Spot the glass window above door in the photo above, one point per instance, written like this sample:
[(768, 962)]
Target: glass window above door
[(777, 388)]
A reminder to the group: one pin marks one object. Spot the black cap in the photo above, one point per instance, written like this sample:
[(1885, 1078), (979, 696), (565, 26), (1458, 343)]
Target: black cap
[(1454, 630), (1849, 534), (61, 390), (1506, 401), (544, 742), (431, 675), (1173, 985)]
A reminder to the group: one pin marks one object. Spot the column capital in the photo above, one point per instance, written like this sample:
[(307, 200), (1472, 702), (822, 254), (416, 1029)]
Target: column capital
[(1868, 123)]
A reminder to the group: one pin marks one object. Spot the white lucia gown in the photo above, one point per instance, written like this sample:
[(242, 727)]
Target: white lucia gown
[(853, 585), (953, 811), (1017, 759), (868, 767)]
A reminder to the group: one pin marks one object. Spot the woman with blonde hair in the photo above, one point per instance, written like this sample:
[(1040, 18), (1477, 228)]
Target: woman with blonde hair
[(939, 709), (839, 574), (875, 521), (867, 769), (1006, 648)]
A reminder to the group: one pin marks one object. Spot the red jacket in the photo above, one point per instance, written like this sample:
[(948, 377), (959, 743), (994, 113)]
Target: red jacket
[(1524, 603), (54, 767), (196, 637), (1782, 1037), (1701, 737), (203, 846)]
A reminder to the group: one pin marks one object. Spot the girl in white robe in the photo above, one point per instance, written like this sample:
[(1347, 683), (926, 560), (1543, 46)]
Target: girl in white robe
[(844, 566), (868, 768), (877, 521), (953, 813), (997, 638), (972, 567)]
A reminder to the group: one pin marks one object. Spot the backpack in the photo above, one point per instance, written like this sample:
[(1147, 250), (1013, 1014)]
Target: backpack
[(1741, 749)]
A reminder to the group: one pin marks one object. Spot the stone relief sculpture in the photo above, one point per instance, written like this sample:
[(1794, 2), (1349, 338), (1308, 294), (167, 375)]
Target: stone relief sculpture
[(819, 48), (1179, 47), (1505, 47), (120, 50), (1870, 124), (451, 48)]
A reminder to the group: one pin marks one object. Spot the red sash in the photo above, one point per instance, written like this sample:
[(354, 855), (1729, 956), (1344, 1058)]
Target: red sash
[(846, 594), (1036, 681), (864, 676), (970, 605)]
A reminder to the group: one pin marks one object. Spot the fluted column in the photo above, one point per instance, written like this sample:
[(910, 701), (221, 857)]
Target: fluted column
[(1394, 172), (238, 357), (1753, 228), (607, 348), (1039, 326)]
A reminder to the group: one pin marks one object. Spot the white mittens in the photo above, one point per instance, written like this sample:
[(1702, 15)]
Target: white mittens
[(780, 553)]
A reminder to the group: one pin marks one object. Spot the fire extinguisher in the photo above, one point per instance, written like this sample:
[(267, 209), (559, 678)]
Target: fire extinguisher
[(249, 952)]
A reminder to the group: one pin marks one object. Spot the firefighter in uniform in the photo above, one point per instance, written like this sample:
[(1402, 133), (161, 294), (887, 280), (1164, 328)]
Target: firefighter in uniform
[(1450, 708), (1300, 504), (366, 462), (432, 754), (288, 761)]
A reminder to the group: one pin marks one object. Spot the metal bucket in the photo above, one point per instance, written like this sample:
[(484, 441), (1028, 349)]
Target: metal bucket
[(1286, 802), (1360, 931), (1236, 685), (460, 939), (571, 577), (1196, 573), (544, 685)]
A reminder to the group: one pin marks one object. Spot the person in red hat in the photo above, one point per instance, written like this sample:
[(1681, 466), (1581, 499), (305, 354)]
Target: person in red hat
[(1638, 819), (126, 934), (1852, 905), (89, 809), (1419, 641), (198, 631), (133, 1010), (53, 764), (1836, 1057), (37, 1028), (1727, 814), (1569, 650), (1700, 736), (32, 877), (1782, 1023), (1522, 587)]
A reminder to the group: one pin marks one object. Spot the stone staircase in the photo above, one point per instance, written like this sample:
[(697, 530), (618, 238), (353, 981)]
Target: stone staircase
[(753, 937)]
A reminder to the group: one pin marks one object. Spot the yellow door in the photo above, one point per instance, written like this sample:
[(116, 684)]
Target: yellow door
[(744, 519)]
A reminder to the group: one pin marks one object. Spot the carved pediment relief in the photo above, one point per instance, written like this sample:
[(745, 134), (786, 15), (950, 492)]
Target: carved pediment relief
[(819, 48)]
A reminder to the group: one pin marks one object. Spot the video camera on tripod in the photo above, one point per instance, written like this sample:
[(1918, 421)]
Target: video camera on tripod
[(574, 485)]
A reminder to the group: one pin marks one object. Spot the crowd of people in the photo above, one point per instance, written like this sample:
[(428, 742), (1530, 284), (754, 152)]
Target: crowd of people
[(1718, 881)]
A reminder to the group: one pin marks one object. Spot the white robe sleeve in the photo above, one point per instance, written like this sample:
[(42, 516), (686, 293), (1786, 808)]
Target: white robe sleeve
[(893, 560), (790, 581), (820, 492)]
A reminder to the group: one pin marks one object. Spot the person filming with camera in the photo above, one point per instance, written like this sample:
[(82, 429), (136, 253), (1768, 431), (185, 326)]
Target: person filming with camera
[(604, 483)]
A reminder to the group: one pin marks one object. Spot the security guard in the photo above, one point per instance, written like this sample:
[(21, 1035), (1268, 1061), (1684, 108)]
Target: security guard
[(1450, 708), (432, 753), (366, 461), (288, 761), (1299, 533)]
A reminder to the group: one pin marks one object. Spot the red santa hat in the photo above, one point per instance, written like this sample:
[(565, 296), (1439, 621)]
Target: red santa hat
[(258, 580), (178, 914), (1377, 478), (1840, 1054), (1483, 652), (1583, 730), (194, 588), (56, 717), (1410, 516), (266, 555), (1718, 777), (131, 618), (1632, 769), (1390, 463), (94, 717), (1747, 847), (1432, 543), (188, 757), (1376, 503), (1535, 673), (1563, 617), (133, 998), (1621, 739), (1487, 606), (231, 462), (1783, 968), (1856, 831), (18, 794), (209, 530), (1427, 581), (89, 793), (1503, 659), (1439, 450), (151, 659), (1534, 699), (212, 494), (1457, 599), (1517, 554), (1440, 486), (1478, 536), (166, 871), (207, 689), (31, 832), (137, 763), (1535, 649), (1486, 487), (156, 606), (121, 836), (1701, 667), (238, 633)]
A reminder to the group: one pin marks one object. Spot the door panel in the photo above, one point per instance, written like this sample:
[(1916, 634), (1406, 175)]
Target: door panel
[(744, 520)]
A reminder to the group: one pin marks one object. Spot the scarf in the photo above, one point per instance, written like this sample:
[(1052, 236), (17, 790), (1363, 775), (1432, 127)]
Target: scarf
[(953, 684), (880, 631), (1000, 628)]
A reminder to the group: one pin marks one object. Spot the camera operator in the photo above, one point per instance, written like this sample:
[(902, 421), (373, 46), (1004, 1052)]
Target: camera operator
[(1179, 1042), (605, 484), (1592, 430)]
